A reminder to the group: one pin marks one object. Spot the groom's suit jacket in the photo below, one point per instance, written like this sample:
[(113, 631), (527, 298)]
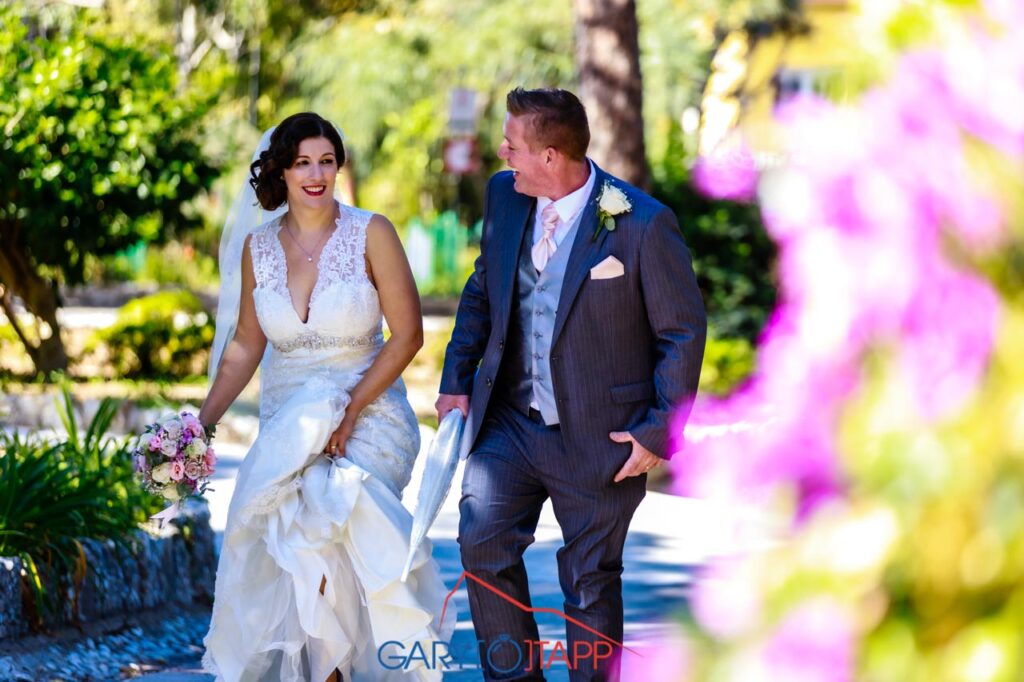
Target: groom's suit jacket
[(626, 351)]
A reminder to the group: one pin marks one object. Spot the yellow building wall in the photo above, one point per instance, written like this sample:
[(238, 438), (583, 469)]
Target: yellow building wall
[(741, 92)]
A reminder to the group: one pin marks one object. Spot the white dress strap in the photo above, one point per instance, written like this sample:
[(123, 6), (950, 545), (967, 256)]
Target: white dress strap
[(267, 258), (345, 260)]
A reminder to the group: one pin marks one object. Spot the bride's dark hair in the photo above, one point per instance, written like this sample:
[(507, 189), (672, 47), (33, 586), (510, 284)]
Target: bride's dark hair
[(267, 173)]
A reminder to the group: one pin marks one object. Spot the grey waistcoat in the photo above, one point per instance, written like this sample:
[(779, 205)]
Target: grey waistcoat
[(526, 369)]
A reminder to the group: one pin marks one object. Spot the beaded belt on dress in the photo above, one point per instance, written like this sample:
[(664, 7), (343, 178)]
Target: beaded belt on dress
[(313, 341)]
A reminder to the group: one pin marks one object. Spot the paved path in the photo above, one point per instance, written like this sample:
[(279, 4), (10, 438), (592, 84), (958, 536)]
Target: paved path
[(669, 536)]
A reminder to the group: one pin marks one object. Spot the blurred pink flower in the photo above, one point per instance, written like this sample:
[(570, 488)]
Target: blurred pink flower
[(177, 470), (813, 643), (858, 211), (666, 660), (726, 603), (193, 470), (155, 443), (209, 461), (777, 430), (986, 82), (1010, 12), (729, 174), (949, 329), (192, 424)]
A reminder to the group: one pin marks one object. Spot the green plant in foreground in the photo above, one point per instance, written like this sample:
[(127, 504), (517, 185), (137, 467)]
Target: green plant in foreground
[(54, 493)]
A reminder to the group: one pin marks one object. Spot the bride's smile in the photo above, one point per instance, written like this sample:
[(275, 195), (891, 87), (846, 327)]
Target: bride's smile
[(312, 175)]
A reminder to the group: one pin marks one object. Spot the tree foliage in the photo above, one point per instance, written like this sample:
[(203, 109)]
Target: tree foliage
[(98, 153)]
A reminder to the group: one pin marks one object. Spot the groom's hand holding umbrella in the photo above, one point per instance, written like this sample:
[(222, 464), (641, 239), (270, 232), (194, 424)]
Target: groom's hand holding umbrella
[(446, 403)]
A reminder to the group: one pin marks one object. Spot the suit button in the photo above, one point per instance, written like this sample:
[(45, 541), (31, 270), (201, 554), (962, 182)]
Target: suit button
[(501, 345), (490, 382), (555, 357)]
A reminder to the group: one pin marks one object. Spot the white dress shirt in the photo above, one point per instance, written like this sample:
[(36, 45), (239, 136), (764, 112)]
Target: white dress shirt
[(568, 208)]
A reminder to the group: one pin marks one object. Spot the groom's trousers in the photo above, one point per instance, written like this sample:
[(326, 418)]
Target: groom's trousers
[(517, 464)]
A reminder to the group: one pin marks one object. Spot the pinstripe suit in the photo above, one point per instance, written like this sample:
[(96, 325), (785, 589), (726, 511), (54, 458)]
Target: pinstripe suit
[(625, 352)]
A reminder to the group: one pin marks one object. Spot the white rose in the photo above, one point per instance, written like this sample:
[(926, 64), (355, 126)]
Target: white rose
[(169, 448), (162, 472), (173, 429), (613, 201), (196, 449), (171, 493)]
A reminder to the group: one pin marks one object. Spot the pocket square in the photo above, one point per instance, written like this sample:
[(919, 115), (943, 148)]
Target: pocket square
[(609, 268)]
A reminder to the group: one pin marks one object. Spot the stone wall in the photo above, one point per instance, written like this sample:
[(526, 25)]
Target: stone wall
[(143, 573)]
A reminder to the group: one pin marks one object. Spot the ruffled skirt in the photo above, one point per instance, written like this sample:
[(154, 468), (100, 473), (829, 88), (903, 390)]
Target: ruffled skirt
[(299, 520)]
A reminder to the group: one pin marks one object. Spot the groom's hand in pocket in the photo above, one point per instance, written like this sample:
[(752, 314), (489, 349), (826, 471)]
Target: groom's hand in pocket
[(640, 461)]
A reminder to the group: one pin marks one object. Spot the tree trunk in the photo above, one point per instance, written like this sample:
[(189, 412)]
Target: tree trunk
[(608, 61), (40, 296), (254, 75), (186, 45)]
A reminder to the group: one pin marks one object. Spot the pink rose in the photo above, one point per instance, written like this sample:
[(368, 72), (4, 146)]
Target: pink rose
[(192, 424), (177, 470), (193, 470), (209, 462), (155, 442)]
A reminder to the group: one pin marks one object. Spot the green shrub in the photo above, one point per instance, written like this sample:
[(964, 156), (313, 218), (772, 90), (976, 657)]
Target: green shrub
[(727, 363), (53, 493), (170, 264), (733, 256), (166, 335)]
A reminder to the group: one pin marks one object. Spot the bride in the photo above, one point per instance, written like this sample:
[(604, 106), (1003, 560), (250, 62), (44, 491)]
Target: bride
[(308, 578)]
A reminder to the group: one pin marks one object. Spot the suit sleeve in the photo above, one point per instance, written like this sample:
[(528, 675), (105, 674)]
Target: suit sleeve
[(675, 311), (472, 321)]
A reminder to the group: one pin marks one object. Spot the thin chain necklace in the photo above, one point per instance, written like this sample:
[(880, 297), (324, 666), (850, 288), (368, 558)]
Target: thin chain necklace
[(308, 254)]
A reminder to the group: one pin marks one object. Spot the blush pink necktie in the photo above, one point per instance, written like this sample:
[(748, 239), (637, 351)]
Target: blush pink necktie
[(545, 248)]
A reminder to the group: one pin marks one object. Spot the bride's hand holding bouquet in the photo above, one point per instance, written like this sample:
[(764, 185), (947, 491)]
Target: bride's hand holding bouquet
[(174, 458)]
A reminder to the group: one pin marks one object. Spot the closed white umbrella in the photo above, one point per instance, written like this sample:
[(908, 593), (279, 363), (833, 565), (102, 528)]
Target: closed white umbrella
[(438, 471)]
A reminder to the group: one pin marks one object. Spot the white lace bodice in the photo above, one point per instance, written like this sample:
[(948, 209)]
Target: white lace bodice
[(342, 333), (343, 310)]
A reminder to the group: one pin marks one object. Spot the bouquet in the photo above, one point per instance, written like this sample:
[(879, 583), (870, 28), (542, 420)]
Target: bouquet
[(174, 459)]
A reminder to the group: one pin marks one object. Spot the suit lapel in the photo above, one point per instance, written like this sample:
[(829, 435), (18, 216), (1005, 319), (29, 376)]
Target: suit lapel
[(582, 256), (511, 227)]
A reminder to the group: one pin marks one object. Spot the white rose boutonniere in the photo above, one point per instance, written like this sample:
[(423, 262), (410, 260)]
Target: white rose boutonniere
[(611, 203)]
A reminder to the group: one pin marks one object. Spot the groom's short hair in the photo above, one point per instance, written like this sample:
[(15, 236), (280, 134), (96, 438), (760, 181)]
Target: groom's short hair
[(557, 119)]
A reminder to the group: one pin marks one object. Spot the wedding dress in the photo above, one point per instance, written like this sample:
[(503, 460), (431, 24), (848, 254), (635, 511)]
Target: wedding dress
[(297, 517)]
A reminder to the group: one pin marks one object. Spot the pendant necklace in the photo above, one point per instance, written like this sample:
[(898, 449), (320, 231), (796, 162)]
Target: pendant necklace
[(308, 254)]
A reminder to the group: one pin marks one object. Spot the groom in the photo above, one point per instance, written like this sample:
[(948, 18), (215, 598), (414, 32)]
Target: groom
[(579, 332)]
